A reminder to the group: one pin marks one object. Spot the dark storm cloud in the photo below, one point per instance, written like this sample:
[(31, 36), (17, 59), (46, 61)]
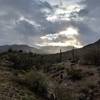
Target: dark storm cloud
[(34, 24), (87, 35), (91, 22), (92, 8), (55, 27), (32, 10), (23, 27), (10, 13), (90, 4), (88, 27)]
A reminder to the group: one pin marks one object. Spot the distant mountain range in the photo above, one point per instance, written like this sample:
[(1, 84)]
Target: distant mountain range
[(41, 50), (24, 48), (55, 49), (49, 49)]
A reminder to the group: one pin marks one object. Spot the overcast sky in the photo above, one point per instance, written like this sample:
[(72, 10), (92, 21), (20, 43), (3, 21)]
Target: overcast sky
[(49, 22)]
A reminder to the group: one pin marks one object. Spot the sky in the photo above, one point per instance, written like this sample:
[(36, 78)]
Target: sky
[(49, 22)]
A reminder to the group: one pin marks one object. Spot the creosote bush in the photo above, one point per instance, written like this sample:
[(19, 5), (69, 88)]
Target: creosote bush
[(74, 74), (63, 93), (35, 81)]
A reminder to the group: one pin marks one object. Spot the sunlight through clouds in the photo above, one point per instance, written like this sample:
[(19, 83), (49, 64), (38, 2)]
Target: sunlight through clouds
[(49, 22), (66, 12), (70, 35)]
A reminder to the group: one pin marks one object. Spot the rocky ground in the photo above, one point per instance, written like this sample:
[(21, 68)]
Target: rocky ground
[(10, 90), (70, 82)]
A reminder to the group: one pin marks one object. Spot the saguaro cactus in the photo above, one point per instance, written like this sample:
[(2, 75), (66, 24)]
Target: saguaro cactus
[(60, 56)]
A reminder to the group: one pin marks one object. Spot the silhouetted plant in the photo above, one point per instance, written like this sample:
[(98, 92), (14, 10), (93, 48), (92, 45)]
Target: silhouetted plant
[(36, 82), (20, 51), (10, 50), (74, 74)]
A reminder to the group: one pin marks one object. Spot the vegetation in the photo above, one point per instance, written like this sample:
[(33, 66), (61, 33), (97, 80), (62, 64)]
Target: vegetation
[(92, 57), (35, 82), (75, 74), (63, 93), (47, 77)]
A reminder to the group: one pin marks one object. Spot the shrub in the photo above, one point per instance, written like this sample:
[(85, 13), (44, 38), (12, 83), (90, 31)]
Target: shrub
[(36, 82), (63, 93), (74, 74), (10, 50), (20, 61)]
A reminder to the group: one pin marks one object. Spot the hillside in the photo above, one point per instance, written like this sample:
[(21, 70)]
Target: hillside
[(82, 52)]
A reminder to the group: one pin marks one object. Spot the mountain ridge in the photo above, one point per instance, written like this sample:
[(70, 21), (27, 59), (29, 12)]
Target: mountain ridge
[(17, 47), (46, 49)]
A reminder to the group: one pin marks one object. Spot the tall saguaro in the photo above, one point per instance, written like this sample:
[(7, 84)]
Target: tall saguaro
[(60, 56), (73, 54)]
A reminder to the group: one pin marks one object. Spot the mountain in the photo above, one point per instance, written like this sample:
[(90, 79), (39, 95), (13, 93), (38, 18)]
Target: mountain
[(91, 47), (81, 52), (52, 49), (40, 50), (24, 48)]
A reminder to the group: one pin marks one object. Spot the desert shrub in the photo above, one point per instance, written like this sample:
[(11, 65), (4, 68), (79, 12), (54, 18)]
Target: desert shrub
[(63, 93), (75, 74), (88, 91), (87, 94), (20, 60), (89, 73), (10, 50), (36, 82), (24, 61), (27, 97)]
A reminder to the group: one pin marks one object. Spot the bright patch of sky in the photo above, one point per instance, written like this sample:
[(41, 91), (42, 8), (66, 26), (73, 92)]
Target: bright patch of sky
[(49, 22), (70, 34), (64, 11)]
